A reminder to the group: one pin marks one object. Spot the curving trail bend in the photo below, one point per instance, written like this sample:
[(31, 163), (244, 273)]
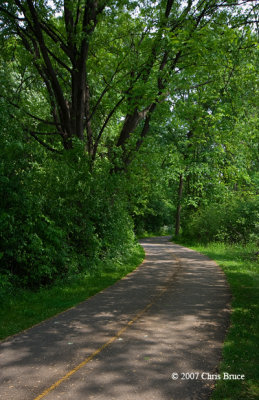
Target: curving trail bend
[(168, 316)]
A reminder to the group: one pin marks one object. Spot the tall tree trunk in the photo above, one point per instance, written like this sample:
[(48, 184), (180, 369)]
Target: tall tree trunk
[(179, 206)]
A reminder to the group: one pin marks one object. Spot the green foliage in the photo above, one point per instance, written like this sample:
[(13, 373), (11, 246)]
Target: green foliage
[(150, 197), (157, 218), (153, 90), (236, 220), (32, 245), (56, 217)]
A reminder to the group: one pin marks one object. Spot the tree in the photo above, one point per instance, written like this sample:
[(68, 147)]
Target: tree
[(106, 66)]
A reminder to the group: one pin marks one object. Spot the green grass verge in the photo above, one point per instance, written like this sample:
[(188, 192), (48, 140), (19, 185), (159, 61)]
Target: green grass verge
[(240, 351), (27, 308)]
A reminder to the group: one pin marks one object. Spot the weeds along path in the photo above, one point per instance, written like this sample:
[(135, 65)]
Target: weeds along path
[(169, 316)]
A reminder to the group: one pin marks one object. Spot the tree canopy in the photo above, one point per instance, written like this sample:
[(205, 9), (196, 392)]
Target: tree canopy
[(104, 67)]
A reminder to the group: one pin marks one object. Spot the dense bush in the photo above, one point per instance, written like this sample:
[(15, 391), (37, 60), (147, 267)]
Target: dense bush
[(233, 221), (31, 243), (56, 218)]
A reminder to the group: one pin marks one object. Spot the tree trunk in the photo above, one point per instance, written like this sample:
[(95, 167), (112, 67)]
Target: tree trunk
[(179, 206)]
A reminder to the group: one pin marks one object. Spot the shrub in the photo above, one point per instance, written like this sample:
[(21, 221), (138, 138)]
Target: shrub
[(56, 217), (236, 220)]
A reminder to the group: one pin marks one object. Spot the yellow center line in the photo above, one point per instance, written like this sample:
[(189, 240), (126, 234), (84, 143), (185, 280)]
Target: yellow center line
[(96, 352)]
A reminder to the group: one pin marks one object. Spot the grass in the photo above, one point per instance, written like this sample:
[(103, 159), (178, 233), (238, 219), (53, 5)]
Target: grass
[(27, 308), (240, 351)]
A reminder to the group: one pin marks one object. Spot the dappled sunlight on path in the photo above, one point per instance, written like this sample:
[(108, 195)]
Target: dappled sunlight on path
[(182, 329)]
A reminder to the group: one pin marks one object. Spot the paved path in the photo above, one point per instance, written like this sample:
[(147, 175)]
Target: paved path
[(168, 316)]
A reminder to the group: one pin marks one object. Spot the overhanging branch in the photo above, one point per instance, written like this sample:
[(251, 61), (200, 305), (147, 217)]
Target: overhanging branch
[(43, 143)]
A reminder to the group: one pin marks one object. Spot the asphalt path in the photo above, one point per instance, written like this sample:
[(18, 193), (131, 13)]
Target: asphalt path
[(167, 317)]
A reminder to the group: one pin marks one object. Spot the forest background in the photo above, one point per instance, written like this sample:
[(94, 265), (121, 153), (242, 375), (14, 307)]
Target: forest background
[(122, 118)]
